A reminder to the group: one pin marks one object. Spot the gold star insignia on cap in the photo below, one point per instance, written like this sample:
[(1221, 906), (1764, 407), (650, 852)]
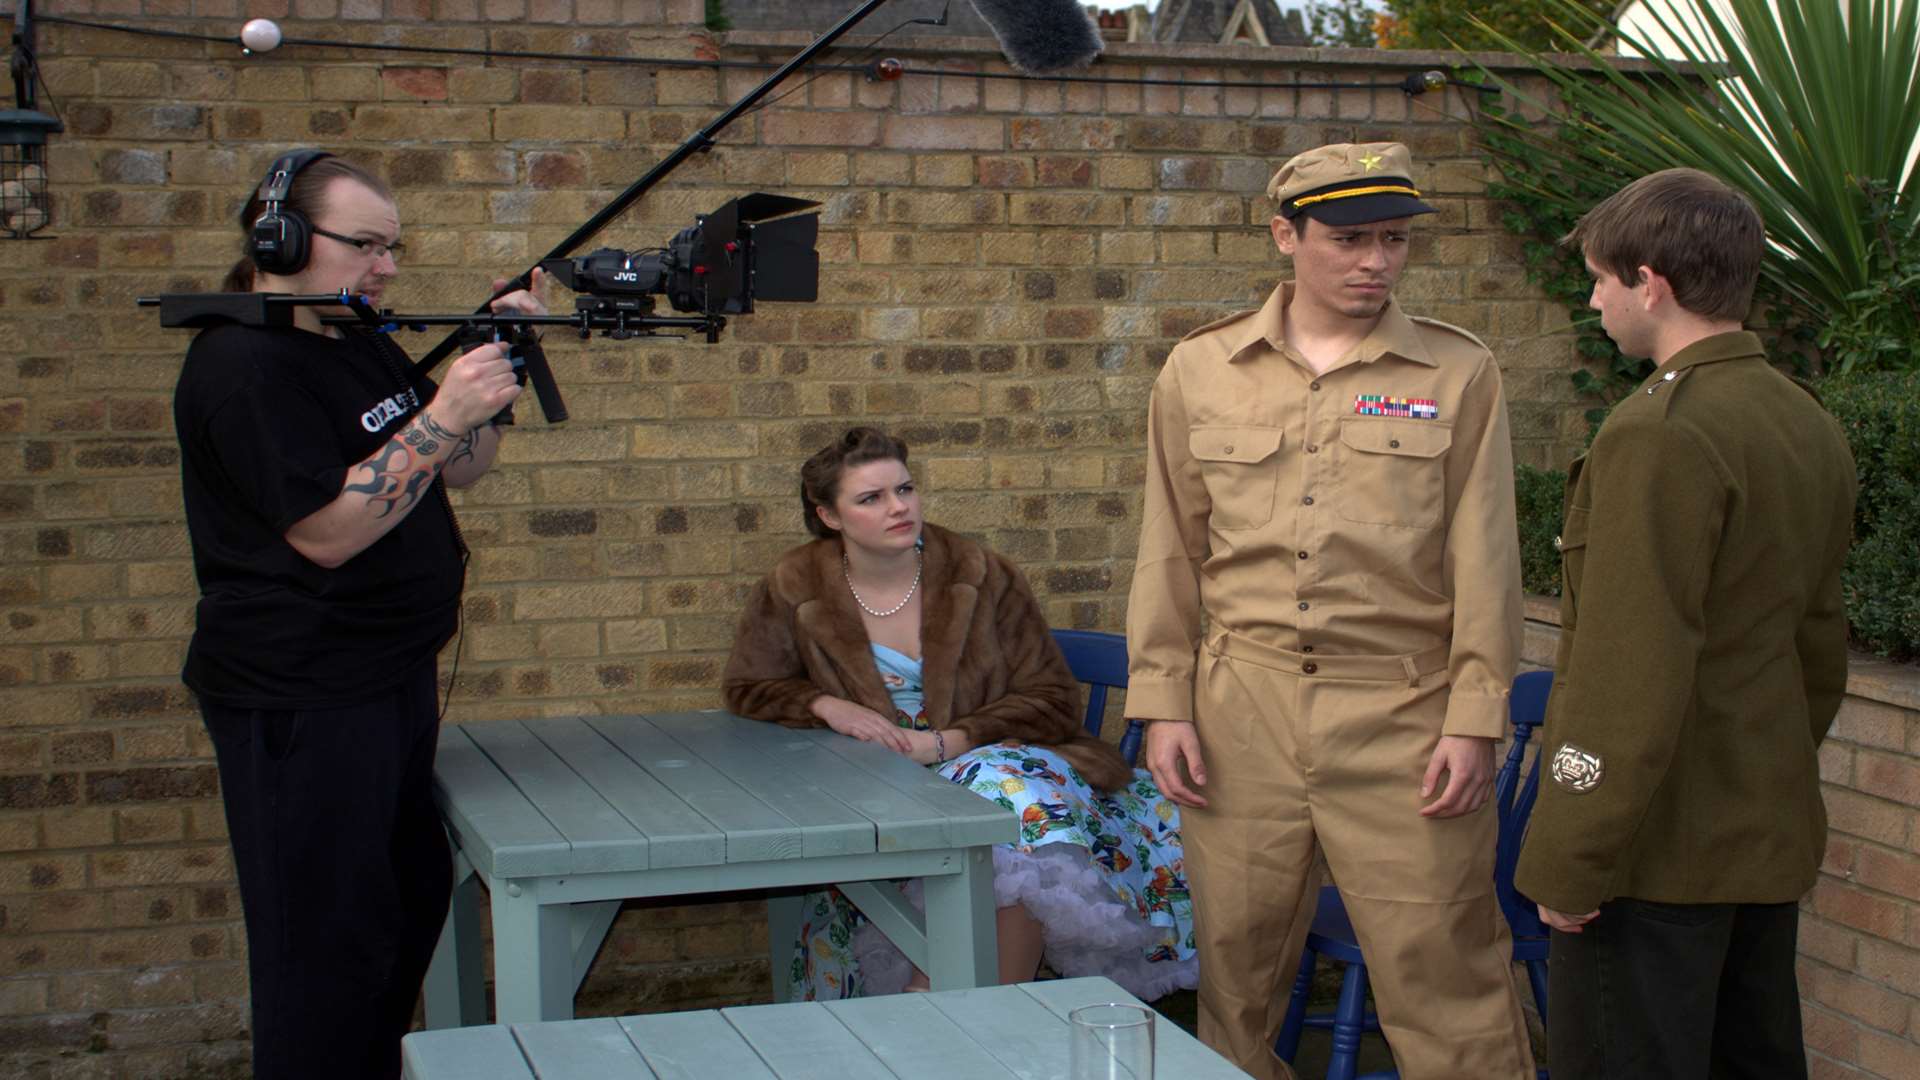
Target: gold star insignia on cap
[(1369, 162)]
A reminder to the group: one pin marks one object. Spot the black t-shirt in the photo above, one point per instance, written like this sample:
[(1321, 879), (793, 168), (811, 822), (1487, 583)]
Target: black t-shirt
[(270, 420)]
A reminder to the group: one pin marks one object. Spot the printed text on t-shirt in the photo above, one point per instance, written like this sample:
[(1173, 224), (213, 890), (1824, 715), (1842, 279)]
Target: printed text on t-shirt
[(389, 410)]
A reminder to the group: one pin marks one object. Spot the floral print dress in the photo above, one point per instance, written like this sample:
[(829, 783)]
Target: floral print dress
[(1101, 873)]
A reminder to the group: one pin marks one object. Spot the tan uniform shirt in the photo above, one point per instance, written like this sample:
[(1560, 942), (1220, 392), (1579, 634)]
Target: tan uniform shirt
[(1294, 510)]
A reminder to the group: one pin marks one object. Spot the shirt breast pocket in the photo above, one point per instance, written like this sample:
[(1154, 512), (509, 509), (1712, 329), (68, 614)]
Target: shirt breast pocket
[(1572, 543), (1393, 472), (1241, 468)]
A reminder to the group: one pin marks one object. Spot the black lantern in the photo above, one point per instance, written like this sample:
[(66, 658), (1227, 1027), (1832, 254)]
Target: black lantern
[(25, 207)]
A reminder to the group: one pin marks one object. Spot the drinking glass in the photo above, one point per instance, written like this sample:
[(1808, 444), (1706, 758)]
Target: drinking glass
[(1112, 1042)]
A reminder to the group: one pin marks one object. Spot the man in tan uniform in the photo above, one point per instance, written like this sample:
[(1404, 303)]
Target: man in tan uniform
[(1330, 492)]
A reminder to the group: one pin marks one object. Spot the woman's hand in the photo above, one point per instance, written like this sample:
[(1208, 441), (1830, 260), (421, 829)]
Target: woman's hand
[(863, 723), (938, 748), (923, 748)]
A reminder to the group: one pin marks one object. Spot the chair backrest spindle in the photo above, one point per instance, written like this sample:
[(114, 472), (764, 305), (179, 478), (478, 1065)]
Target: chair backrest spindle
[(1514, 796), (1099, 659)]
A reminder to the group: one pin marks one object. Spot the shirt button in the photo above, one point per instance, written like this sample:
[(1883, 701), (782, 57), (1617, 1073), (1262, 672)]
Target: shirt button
[(1308, 500), (1314, 386), (1395, 443), (1312, 449), (1306, 648), (1303, 554), (1310, 667), (1303, 605), (1229, 448)]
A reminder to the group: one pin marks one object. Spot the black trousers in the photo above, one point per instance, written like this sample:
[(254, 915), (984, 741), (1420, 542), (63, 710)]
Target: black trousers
[(344, 874), (1683, 991)]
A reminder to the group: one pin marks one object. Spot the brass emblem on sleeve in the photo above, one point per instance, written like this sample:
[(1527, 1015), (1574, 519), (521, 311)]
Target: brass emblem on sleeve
[(1577, 770)]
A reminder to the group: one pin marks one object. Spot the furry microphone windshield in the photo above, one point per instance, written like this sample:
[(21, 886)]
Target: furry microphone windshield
[(1042, 36)]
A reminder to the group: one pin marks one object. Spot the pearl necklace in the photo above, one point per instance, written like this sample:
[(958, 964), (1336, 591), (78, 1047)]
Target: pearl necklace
[(846, 570)]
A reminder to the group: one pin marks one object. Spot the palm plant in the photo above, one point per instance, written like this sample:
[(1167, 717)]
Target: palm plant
[(1810, 107)]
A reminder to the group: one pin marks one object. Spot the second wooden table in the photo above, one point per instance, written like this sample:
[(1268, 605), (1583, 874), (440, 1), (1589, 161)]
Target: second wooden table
[(566, 817)]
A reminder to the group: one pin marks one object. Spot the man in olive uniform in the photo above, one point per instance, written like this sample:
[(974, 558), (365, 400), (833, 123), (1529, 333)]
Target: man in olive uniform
[(1330, 491), (1703, 659)]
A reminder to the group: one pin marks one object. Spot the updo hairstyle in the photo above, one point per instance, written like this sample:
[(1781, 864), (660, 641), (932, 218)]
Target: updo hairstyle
[(820, 476)]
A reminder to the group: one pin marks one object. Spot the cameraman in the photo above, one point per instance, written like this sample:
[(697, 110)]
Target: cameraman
[(330, 566)]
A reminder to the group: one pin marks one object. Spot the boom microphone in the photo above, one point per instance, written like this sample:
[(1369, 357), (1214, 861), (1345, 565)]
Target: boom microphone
[(1042, 36)]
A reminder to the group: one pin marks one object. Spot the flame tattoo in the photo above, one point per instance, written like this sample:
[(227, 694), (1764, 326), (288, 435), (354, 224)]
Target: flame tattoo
[(395, 477)]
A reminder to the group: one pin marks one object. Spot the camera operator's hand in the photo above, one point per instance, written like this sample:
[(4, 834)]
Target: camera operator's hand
[(478, 385), (523, 301)]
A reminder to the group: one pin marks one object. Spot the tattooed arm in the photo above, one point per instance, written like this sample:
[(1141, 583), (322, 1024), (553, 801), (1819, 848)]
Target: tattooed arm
[(473, 456), (382, 490)]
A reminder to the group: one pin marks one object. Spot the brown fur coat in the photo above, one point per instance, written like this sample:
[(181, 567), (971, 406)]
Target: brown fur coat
[(990, 665)]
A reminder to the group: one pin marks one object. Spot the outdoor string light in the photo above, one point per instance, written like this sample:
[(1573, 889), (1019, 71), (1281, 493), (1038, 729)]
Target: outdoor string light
[(259, 36)]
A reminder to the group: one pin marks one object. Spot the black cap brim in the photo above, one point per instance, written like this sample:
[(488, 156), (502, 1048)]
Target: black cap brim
[(1366, 209)]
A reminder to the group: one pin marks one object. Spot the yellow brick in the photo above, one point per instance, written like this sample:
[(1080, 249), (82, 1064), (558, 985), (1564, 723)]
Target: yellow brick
[(272, 83), (345, 84), (557, 124), (1126, 248), (132, 80)]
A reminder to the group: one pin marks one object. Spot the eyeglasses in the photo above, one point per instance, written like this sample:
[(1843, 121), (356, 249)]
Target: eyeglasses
[(367, 247)]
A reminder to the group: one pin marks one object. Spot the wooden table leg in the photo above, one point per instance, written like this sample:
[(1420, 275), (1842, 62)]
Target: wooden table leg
[(784, 915), (962, 952), (455, 990), (532, 955)]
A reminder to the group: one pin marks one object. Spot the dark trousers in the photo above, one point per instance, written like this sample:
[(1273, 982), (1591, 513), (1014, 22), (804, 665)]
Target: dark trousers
[(344, 874), (1683, 991)]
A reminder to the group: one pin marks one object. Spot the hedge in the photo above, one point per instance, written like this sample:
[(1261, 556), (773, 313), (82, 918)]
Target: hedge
[(1880, 412)]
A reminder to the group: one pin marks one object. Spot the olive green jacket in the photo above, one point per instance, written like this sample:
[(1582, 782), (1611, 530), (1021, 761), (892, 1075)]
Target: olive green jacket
[(1704, 648)]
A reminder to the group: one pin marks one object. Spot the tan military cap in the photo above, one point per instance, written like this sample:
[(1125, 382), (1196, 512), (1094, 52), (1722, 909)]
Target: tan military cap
[(1348, 184)]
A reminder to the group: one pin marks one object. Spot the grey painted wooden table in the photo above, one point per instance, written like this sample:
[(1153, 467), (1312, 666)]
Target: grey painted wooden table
[(991, 1033), (565, 817)]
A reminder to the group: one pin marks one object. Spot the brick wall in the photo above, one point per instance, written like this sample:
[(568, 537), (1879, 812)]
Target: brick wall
[(1006, 265), (1860, 929)]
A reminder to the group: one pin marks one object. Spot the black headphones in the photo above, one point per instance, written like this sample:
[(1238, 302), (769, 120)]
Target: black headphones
[(282, 237)]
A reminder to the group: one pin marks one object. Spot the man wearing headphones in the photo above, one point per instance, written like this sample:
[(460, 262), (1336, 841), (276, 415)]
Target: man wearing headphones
[(313, 467)]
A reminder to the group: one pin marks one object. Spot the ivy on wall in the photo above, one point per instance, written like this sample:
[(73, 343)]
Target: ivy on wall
[(1538, 193)]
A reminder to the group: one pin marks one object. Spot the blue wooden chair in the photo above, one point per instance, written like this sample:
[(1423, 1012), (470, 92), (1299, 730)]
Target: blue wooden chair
[(1333, 935), (1100, 660)]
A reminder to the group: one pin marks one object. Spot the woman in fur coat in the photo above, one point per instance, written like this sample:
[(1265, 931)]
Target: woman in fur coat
[(893, 631)]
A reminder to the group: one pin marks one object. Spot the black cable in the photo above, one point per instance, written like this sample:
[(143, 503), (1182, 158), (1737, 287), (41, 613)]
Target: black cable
[(34, 76), (431, 50), (667, 62), (459, 642)]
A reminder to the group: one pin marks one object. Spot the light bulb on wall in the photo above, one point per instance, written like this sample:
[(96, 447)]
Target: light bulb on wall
[(260, 35)]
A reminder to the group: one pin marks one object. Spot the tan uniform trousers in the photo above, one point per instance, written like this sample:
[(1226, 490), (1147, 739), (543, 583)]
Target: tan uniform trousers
[(1332, 761)]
